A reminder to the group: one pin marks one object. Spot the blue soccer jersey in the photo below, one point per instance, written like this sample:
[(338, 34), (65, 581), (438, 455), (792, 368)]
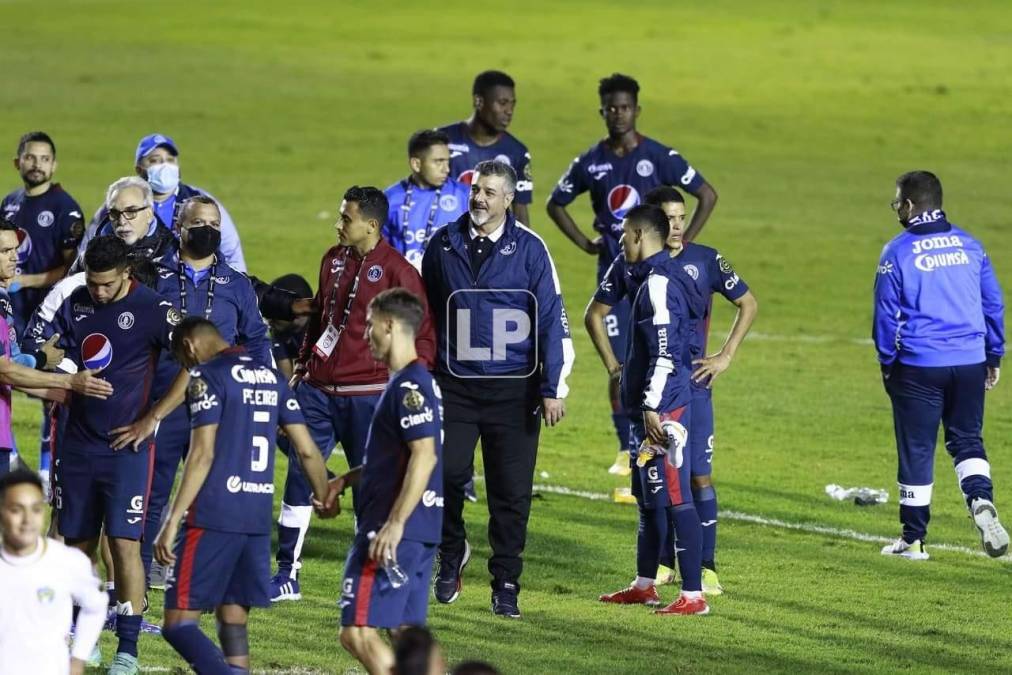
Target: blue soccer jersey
[(416, 213), (248, 401), (465, 154), (617, 184), (410, 409), (122, 339)]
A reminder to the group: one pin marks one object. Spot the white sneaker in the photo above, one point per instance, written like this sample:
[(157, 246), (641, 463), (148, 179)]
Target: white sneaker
[(911, 551), (621, 466), (993, 537), (157, 576)]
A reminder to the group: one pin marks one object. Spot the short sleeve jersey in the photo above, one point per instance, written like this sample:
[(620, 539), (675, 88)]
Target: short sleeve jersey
[(617, 184), (465, 154), (410, 409), (122, 340), (248, 401)]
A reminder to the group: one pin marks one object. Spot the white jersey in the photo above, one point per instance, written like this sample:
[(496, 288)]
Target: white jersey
[(37, 595)]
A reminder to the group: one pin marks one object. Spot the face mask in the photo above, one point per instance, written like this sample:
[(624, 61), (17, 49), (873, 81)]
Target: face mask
[(202, 241), (164, 177)]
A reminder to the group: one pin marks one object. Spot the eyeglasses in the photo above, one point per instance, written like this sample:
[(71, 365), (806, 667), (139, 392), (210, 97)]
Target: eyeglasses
[(130, 214)]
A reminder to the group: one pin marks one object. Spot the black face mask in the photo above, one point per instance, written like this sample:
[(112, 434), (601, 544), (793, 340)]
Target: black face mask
[(203, 241)]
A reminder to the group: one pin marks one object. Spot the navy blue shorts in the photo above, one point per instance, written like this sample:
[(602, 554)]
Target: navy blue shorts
[(665, 479), (219, 568), (701, 432), (99, 488), (368, 599)]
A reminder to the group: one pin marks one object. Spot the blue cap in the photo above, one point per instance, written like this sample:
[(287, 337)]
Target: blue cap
[(152, 141)]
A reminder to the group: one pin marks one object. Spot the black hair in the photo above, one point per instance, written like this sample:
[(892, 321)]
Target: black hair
[(421, 141), (36, 137), (662, 194), (617, 82), (372, 203), (19, 477), (105, 253), (652, 217), (486, 81), (197, 199), (186, 329), (474, 668), (7, 224), (401, 304), (294, 284), (922, 188), (412, 650)]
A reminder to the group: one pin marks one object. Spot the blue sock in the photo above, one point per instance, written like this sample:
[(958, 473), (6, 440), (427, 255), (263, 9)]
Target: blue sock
[(705, 500), (5, 461), (621, 422), (196, 648), (915, 522), (667, 556), (128, 628), (653, 524), (689, 542), (288, 537), (45, 442)]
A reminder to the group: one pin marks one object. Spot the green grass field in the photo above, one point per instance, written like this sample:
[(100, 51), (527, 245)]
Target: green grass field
[(801, 114)]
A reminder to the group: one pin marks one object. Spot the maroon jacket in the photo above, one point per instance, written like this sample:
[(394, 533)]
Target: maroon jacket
[(351, 369)]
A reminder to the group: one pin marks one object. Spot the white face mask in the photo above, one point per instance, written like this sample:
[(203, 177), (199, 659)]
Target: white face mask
[(164, 177)]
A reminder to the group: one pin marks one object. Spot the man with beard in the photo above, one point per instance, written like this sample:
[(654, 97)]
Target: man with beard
[(197, 284), (157, 161), (50, 224), (504, 355), (483, 136)]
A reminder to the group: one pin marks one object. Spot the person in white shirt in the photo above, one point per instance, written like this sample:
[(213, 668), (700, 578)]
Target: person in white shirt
[(41, 580)]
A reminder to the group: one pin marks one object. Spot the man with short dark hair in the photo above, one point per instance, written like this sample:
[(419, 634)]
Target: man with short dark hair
[(50, 224), (483, 136), (504, 355), (617, 172), (40, 581), (664, 310), (337, 381), (156, 160), (117, 326), (222, 557), (425, 200), (399, 503), (939, 329)]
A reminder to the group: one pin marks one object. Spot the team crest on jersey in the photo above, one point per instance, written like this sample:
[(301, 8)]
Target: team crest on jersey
[(45, 595), (125, 320), (222, 280), (172, 316), (645, 167), (527, 168), (692, 271), (449, 202), (374, 274), (621, 199), (24, 245), (96, 352), (45, 219), (413, 400), (509, 249), (504, 159), (724, 265)]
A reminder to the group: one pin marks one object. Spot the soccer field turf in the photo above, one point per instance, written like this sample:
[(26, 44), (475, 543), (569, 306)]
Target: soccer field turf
[(800, 114)]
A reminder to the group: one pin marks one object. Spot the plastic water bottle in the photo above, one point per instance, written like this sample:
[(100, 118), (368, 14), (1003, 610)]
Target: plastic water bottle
[(395, 574), (870, 497)]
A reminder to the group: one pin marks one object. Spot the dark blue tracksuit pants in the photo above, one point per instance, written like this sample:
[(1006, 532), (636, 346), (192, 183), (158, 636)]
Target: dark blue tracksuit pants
[(922, 398)]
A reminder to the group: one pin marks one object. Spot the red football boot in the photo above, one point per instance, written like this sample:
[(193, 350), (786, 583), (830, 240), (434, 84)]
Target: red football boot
[(633, 596), (684, 605)]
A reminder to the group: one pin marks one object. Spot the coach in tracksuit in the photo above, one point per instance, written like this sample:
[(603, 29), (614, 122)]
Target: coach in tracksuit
[(339, 380), (504, 355), (939, 332)]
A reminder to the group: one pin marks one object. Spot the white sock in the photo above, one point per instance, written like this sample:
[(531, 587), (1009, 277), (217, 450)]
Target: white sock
[(692, 595), (643, 583)]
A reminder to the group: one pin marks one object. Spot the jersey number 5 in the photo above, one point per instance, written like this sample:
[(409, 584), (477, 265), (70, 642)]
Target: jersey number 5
[(261, 444)]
